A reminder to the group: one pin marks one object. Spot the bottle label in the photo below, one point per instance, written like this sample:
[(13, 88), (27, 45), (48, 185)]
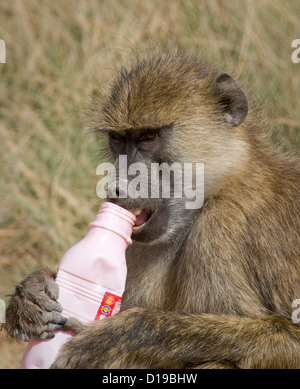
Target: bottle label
[(110, 305)]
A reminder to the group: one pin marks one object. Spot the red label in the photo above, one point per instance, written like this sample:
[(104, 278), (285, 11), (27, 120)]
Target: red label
[(109, 306)]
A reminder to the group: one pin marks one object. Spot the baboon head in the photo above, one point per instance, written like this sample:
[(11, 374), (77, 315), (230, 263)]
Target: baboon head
[(172, 109)]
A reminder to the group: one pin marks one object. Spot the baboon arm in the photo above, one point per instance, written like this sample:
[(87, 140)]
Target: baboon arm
[(142, 337), (254, 343)]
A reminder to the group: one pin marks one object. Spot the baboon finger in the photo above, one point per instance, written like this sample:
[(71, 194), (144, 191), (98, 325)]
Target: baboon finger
[(53, 318), (51, 288), (46, 335), (44, 301)]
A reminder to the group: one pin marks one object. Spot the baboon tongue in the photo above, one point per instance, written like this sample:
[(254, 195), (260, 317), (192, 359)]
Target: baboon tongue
[(141, 218)]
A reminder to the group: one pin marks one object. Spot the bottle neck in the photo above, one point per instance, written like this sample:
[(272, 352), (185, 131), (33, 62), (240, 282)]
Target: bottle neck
[(113, 218), (125, 239)]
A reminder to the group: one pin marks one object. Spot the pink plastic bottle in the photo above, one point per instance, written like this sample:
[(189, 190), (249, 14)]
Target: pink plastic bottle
[(91, 278)]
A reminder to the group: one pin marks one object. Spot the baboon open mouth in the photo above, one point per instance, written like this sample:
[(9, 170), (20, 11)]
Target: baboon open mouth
[(142, 218)]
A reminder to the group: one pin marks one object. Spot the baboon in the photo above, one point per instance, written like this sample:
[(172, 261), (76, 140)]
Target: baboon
[(207, 288)]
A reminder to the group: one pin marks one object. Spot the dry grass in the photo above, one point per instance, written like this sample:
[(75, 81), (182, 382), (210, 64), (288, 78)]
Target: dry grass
[(55, 50)]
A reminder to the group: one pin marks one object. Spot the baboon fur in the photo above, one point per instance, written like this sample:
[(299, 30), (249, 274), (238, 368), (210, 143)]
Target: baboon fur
[(216, 290)]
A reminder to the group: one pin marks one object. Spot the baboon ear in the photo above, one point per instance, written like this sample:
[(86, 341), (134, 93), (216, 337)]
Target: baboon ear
[(231, 99)]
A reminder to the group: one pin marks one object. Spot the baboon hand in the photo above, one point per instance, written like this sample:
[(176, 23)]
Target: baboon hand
[(33, 311)]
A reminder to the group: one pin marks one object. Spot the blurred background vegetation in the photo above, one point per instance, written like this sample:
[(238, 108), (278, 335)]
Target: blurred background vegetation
[(55, 50)]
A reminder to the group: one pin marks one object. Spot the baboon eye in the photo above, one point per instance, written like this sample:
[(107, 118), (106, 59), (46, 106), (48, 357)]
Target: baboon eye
[(116, 137), (148, 136)]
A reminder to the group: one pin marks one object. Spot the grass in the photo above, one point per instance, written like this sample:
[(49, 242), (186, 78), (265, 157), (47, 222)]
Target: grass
[(55, 52)]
